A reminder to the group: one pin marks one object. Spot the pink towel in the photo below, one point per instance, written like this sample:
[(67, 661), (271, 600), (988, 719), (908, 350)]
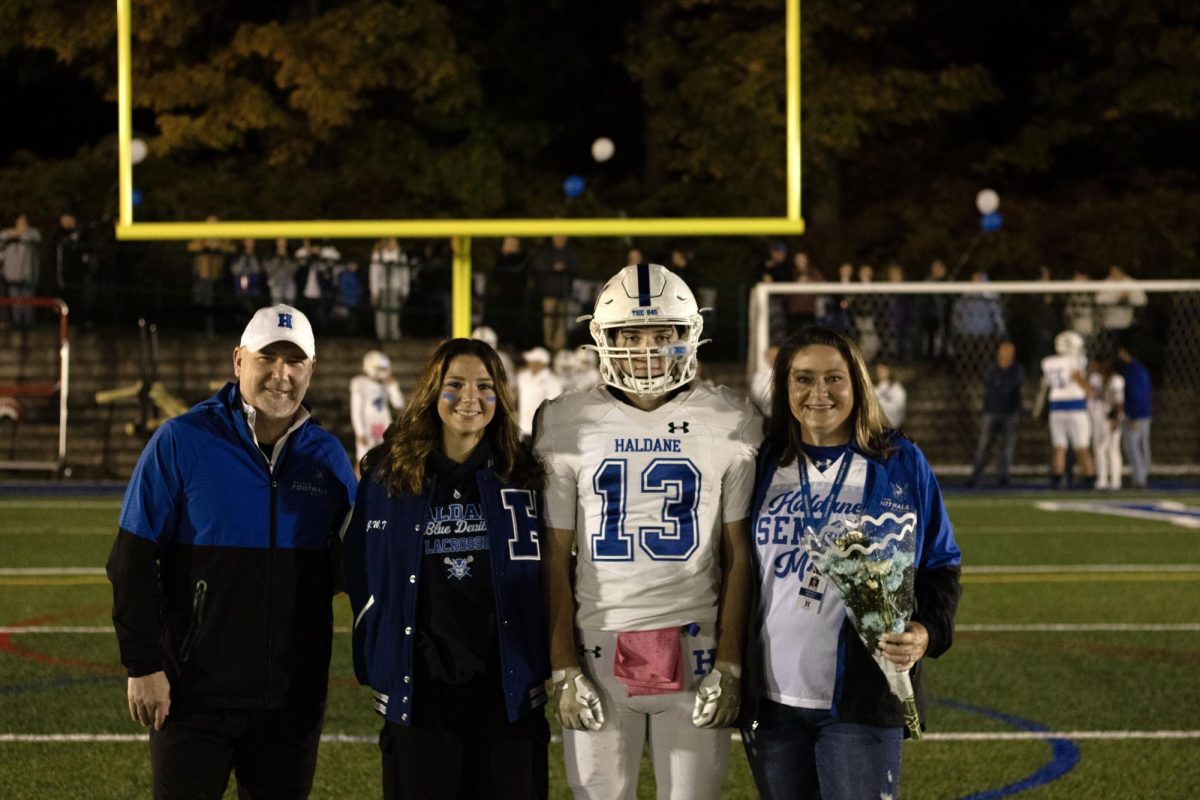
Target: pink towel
[(649, 662)]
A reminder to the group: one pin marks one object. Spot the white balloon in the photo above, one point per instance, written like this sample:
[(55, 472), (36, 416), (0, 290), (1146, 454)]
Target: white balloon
[(987, 201), (603, 149), (138, 151)]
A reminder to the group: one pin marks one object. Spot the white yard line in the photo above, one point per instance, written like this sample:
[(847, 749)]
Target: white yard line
[(989, 569), (107, 530), (1171, 512), (19, 629), (1041, 530), (51, 571), (1081, 627), (63, 505), (13, 630), (1060, 627), (986, 569), (1005, 736), (951, 736)]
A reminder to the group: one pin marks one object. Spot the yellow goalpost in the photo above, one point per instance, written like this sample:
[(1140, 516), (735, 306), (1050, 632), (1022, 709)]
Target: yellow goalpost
[(459, 231)]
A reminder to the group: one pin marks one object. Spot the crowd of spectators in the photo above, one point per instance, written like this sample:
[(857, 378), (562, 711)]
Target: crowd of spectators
[(980, 337), (529, 291), (905, 329)]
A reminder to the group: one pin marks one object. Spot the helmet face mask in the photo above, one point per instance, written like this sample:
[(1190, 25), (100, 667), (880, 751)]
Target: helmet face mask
[(646, 296), (377, 366)]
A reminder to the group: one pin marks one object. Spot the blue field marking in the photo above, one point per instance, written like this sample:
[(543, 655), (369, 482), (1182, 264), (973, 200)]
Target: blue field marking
[(1169, 511), (1065, 755)]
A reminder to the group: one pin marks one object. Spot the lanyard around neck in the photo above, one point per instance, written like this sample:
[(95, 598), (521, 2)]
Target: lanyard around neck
[(838, 481)]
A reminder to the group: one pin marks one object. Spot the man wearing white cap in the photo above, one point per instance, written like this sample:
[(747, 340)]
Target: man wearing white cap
[(536, 383), (222, 576)]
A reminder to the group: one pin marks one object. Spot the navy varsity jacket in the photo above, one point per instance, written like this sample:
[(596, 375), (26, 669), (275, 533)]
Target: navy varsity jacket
[(382, 550), (243, 554)]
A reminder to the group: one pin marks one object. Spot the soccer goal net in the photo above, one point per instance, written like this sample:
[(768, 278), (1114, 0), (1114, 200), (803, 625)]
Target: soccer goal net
[(35, 355), (939, 338)]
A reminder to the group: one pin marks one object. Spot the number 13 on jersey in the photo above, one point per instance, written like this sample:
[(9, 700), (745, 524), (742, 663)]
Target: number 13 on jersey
[(660, 506)]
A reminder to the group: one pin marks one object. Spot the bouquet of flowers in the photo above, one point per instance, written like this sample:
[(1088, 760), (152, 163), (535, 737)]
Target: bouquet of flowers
[(869, 560)]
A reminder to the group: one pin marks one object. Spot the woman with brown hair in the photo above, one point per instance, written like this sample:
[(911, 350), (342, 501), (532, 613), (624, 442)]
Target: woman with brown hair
[(820, 720), (442, 560)]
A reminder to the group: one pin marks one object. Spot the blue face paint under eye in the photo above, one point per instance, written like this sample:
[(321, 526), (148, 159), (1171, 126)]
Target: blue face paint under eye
[(491, 398), (450, 397)]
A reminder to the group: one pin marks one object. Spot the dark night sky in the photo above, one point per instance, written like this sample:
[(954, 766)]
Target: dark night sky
[(57, 111)]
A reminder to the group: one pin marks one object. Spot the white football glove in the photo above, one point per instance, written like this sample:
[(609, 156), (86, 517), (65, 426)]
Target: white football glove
[(576, 701), (718, 697)]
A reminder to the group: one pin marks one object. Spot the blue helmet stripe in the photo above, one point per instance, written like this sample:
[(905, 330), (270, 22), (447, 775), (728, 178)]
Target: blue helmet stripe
[(643, 284)]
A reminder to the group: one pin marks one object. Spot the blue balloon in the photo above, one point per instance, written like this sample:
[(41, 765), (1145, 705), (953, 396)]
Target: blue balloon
[(573, 186), (990, 222), (136, 197)]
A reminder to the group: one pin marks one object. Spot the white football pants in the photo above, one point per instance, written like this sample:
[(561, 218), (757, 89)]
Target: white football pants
[(689, 762)]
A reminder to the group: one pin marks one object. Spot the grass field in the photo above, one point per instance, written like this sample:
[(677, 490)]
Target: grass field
[(1075, 672)]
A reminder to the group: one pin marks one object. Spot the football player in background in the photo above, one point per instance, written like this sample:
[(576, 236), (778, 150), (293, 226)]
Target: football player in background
[(374, 395), (1064, 380), (649, 481), (1106, 405)]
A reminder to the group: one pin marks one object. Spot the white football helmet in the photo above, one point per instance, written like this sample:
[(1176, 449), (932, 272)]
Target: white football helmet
[(377, 366), (564, 364), (486, 335), (585, 358), (1068, 343), (646, 295)]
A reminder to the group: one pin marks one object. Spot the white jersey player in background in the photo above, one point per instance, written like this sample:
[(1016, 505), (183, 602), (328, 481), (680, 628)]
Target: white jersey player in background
[(1064, 380), (374, 395), (1106, 405), (649, 482)]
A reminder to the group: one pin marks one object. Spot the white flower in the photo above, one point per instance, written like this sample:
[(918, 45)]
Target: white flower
[(880, 567)]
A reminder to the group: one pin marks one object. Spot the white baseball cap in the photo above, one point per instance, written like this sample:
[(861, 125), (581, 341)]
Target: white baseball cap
[(537, 354), (280, 323)]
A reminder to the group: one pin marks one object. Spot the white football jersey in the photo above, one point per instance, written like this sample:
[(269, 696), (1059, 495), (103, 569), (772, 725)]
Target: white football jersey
[(1106, 396), (1058, 375), (647, 493), (802, 612), (371, 405)]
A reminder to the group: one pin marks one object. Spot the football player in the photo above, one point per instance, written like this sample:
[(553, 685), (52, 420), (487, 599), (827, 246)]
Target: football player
[(649, 484), (374, 395), (1064, 380)]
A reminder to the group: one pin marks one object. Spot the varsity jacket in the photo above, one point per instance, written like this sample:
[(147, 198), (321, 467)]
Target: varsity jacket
[(223, 569), (900, 483), (382, 550)]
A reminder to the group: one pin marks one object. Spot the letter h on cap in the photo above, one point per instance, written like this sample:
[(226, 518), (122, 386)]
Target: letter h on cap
[(285, 320)]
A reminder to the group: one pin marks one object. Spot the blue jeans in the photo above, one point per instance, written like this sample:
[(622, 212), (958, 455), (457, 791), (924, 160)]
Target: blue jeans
[(806, 754), (1137, 450), (1000, 428)]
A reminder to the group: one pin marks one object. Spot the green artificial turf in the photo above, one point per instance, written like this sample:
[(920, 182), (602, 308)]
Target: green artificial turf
[(991, 681)]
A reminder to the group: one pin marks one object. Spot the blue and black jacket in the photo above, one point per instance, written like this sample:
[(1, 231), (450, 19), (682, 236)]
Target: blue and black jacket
[(900, 483), (382, 551), (223, 568)]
